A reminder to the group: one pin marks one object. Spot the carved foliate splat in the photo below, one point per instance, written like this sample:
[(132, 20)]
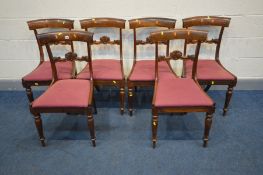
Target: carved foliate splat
[(104, 39), (71, 56), (147, 41), (175, 55), (212, 41)]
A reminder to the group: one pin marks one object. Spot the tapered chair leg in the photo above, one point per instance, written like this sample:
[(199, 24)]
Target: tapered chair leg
[(208, 123), (154, 129), (38, 123), (130, 100), (228, 98), (29, 94), (91, 128), (122, 98)]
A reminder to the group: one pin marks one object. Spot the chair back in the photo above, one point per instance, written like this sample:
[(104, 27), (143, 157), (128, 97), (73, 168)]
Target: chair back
[(147, 23), (105, 23), (177, 34), (38, 24), (210, 21), (65, 37)]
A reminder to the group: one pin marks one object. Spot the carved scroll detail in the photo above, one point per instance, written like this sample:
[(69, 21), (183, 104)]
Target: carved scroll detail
[(106, 40), (212, 41), (148, 41), (71, 56), (175, 55)]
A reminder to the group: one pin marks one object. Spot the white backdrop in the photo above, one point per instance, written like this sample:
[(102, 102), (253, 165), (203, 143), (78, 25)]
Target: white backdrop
[(241, 51)]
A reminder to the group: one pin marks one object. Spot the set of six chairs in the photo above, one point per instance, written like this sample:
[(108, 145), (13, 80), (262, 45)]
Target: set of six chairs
[(72, 92)]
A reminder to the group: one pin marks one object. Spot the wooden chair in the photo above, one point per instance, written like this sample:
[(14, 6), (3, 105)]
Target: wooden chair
[(42, 74), (106, 71), (67, 95), (211, 72), (142, 72), (173, 94)]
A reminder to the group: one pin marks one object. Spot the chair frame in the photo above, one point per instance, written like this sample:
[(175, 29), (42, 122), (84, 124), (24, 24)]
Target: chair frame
[(176, 55), (136, 24), (46, 40), (35, 25), (216, 22), (86, 24)]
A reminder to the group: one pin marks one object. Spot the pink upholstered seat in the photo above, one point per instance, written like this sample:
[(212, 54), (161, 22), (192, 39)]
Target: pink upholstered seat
[(103, 69), (144, 70), (209, 70), (44, 72), (180, 92), (65, 93)]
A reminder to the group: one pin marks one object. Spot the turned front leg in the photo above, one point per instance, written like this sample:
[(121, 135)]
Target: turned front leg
[(38, 123), (228, 98), (91, 128), (154, 127), (29, 94), (122, 98), (208, 123), (130, 100)]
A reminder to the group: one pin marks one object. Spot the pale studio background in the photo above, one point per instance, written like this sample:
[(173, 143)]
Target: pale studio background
[(241, 51)]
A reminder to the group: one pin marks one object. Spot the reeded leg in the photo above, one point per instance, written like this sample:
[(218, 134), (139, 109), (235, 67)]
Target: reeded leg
[(29, 94), (94, 105), (228, 98), (38, 123), (208, 123), (130, 100), (122, 98), (91, 128), (154, 128)]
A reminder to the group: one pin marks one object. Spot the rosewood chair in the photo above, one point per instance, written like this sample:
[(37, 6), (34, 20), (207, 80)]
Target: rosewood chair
[(67, 95), (42, 74), (106, 72), (142, 72), (211, 72), (173, 94)]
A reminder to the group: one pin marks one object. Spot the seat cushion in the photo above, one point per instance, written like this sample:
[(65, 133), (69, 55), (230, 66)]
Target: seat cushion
[(208, 70), (44, 72), (103, 69), (179, 92), (65, 93), (144, 70)]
